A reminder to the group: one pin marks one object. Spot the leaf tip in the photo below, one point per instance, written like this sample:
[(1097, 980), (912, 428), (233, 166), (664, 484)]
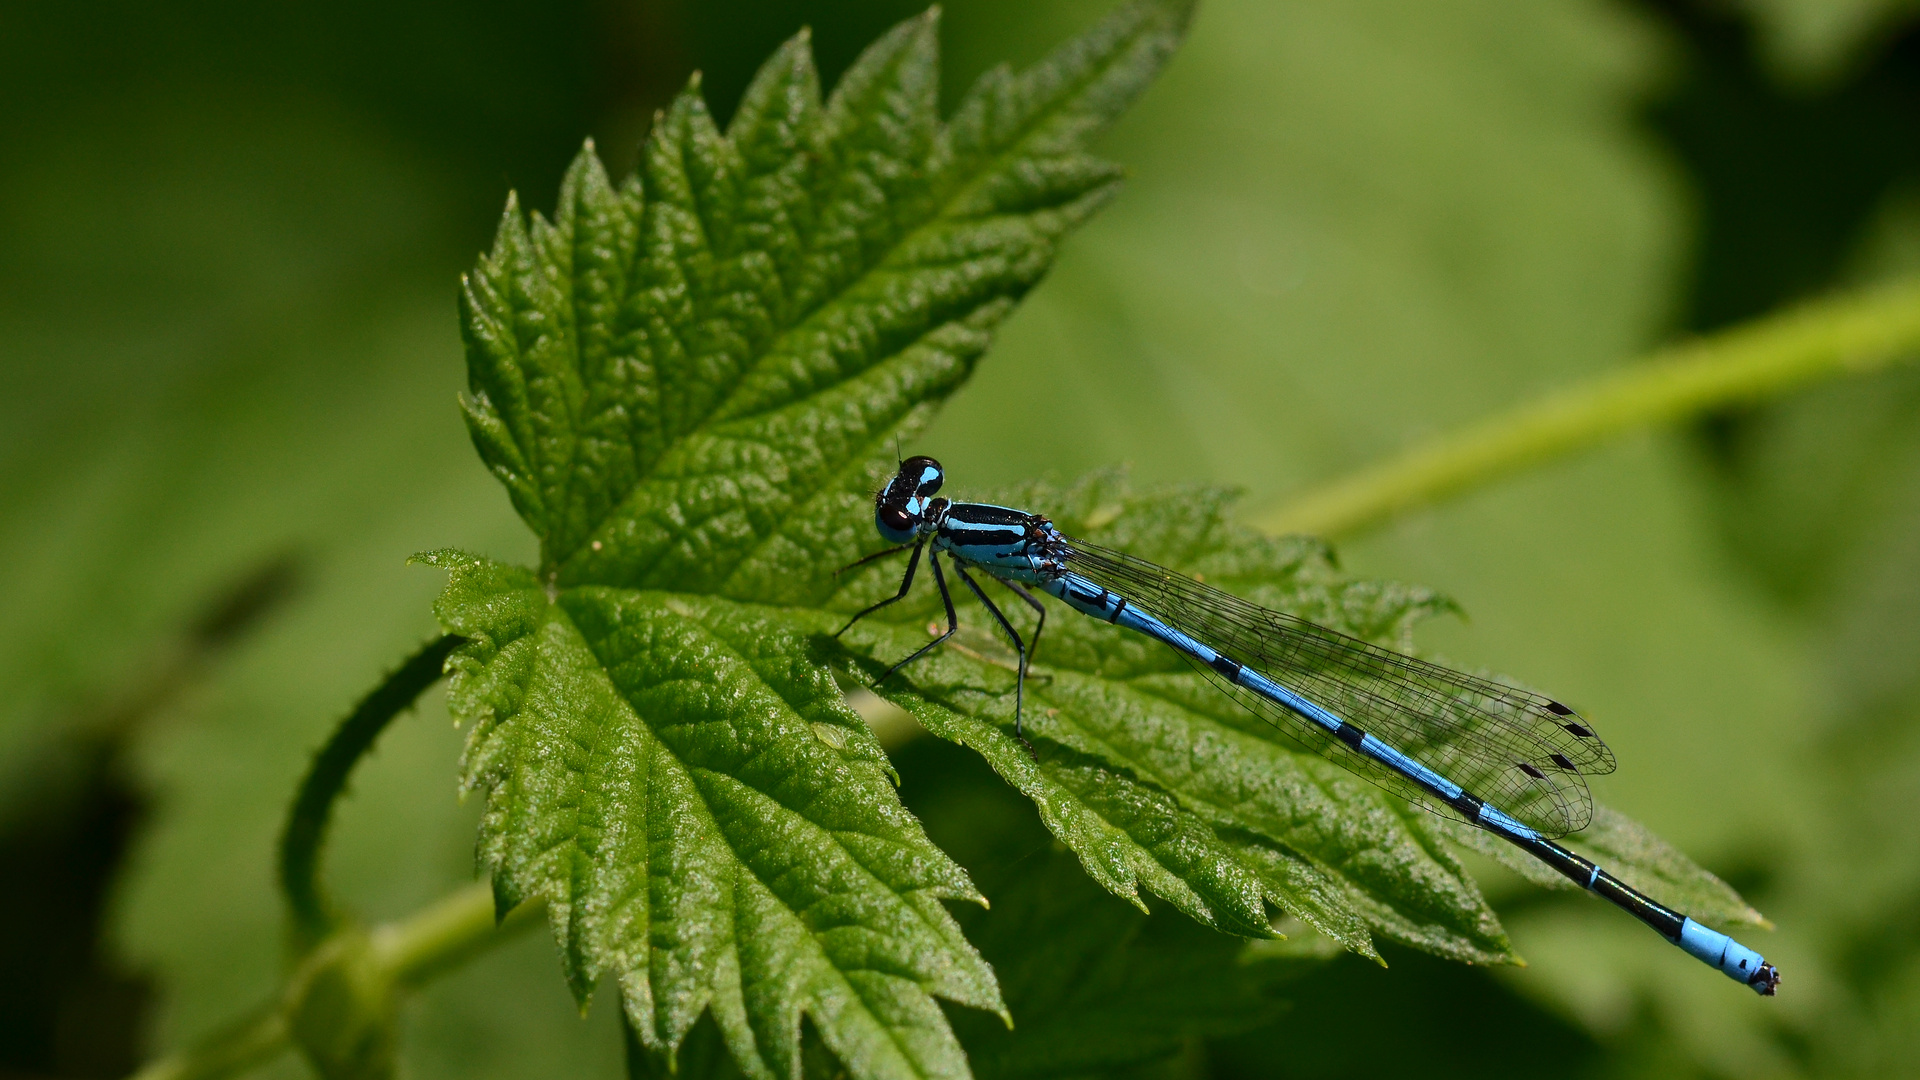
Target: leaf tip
[(445, 558), (505, 898)]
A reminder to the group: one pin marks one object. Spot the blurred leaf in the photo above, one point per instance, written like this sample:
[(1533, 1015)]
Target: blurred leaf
[(1808, 484), (1097, 985), (1423, 1017), (1155, 779), (1345, 225), (681, 383), (1816, 41)]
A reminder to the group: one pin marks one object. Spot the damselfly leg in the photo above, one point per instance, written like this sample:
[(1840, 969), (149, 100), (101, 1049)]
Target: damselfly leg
[(953, 621), (1019, 647), (906, 582)]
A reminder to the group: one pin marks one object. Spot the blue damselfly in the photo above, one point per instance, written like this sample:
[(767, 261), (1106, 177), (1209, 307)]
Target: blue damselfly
[(1505, 759)]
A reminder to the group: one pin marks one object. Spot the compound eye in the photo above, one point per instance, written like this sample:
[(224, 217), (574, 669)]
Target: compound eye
[(925, 473), (894, 518)]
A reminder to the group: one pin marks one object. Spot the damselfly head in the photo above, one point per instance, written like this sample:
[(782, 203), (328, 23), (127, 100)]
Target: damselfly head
[(900, 509)]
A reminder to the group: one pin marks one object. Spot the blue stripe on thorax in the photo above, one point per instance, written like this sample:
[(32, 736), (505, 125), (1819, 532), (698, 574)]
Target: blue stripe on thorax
[(991, 537)]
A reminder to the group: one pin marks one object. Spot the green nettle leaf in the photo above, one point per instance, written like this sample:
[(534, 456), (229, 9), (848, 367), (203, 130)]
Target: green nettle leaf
[(689, 384)]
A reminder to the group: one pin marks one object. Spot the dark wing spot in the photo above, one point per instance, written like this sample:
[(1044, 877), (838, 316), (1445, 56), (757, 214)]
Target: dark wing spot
[(1562, 761), (1558, 709), (1578, 730), (1531, 771)]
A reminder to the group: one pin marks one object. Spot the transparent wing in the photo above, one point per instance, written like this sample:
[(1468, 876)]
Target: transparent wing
[(1520, 751)]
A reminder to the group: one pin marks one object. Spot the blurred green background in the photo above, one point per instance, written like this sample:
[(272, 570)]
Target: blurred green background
[(229, 240)]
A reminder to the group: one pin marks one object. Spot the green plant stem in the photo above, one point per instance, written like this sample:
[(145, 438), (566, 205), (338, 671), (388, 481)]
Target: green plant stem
[(426, 944), (1852, 334), (452, 931), (312, 811), (231, 1051)]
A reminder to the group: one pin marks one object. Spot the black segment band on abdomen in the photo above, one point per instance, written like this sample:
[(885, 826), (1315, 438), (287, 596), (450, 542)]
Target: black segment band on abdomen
[(1664, 920), (1577, 870)]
